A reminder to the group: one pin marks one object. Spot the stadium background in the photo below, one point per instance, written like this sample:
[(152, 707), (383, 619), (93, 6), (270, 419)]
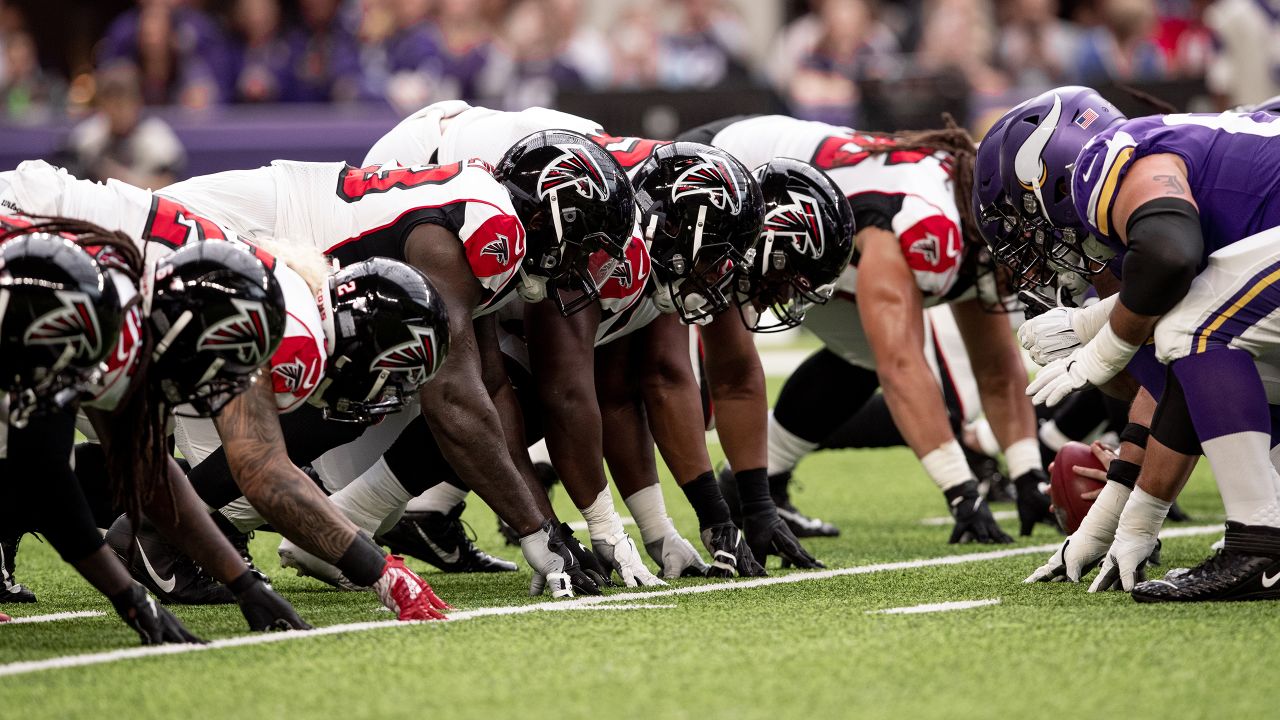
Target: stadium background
[(241, 82)]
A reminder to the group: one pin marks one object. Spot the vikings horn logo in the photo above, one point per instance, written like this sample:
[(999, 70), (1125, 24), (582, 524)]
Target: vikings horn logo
[(1028, 163), (801, 221), (416, 358), (75, 323), (574, 168), (714, 177), (244, 332)]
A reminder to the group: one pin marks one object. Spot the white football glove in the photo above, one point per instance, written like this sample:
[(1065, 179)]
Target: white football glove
[(1081, 552), (553, 564), (676, 556), (1092, 364), (1135, 541), (618, 552), (1049, 336)]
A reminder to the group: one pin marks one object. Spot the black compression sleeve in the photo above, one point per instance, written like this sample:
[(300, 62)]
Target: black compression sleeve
[(42, 483), (1165, 249)]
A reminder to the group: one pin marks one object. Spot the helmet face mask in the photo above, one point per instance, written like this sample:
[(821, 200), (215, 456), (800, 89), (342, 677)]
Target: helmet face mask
[(217, 312), (575, 201), (391, 335), (60, 317), (701, 211)]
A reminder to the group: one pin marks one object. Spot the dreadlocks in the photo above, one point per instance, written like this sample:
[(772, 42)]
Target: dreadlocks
[(954, 141), (136, 451)]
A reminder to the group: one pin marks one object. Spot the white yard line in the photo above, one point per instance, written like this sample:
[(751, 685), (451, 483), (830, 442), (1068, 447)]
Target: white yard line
[(935, 607), (944, 520), (53, 617), (579, 603)]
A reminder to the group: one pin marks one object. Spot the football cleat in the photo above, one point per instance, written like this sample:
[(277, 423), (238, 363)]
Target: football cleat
[(162, 567), (308, 565), (730, 554), (441, 539), (1246, 568), (12, 591)]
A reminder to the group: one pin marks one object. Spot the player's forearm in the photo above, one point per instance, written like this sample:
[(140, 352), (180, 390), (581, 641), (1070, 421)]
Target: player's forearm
[(1002, 390), (508, 408), (742, 411), (674, 409), (916, 403), (628, 447), (574, 439)]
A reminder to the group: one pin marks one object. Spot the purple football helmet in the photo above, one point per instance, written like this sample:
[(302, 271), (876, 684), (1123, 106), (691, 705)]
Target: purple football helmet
[(1022, 183)]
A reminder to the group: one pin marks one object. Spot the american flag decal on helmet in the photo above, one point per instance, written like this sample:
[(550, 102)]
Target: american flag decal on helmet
[(75, 323), (574, 168), (1086, 118), (244, 332), (801, 221), (714, 177), (416, 357)]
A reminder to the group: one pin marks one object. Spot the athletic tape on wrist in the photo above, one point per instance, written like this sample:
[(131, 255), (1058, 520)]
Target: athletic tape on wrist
[(1124, 472)]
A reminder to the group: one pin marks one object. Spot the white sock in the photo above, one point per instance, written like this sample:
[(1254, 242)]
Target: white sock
[(785, 447), (649, 510), (1051, 436), (946, 465), (242, 515), (1022, 457), (372, 498), (1143, 514), (1241, 464), (538, 452), (987, 440), (603, 522), (442, 498)]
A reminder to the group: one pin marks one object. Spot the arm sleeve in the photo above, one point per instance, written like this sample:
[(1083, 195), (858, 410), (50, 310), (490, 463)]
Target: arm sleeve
[(1166, 246)]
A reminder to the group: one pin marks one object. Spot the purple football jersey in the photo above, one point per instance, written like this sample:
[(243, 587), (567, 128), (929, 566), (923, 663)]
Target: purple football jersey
[(1233, 167)]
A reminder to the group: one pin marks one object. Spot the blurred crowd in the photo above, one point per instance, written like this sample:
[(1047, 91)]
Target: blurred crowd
[(516, 53)]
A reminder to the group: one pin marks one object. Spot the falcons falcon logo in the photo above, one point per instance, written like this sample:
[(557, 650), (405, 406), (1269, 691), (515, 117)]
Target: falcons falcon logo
[(714, 177), (75, 323), (292, 374), (622, 273), (245, 332), (416, 358), (574, 168), (499, 248), (801, 221)]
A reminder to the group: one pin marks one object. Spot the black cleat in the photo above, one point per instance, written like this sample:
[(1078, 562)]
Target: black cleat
[(163, 568), (12, 591), (441, 539), (1246, 568)]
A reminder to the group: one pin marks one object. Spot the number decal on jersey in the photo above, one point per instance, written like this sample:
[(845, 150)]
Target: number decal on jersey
[(628, 151), (173, 225), (355, 183), (848, 150)]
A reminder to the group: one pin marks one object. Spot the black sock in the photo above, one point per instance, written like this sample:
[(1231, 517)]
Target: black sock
[(709, 505), (753, 491), (778, 486), (363, 561)]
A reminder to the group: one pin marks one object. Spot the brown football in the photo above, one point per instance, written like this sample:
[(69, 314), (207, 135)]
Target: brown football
[(1065, 486)]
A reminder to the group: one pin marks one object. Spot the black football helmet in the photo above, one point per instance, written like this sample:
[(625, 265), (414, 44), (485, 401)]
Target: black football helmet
[(806, 243), (218, 314), (391, 334), (59, 319), (575, 201), (700, 211)]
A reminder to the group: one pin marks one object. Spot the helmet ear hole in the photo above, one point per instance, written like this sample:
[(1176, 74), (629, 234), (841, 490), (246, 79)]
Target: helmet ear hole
[(1031, 119)]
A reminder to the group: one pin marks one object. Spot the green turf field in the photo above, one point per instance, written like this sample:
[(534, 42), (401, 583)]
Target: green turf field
[(799, 649)]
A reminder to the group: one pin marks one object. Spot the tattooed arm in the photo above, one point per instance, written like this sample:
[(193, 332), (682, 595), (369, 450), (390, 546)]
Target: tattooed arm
[(286, 497)]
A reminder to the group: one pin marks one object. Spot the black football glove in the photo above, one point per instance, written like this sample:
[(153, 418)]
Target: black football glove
[(588, 561), (263, 607), (767, 534), (730, 554), (549, 554), (1033, 503), (154, 624), (974, 522)]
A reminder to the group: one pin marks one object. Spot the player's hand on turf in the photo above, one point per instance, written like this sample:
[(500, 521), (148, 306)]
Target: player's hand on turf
[(554, 564), (676, 557), (1033, 501), (974, 522), (263, 607), (1049, 336), (1126, 561), (154, 624), (767, 534), (407, 595), (588, 561), (730, 554), (619, 553)]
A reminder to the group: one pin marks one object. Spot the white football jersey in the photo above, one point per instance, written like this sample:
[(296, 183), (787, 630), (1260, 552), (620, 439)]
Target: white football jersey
[(159, 226), (911, 191), (354, 214)]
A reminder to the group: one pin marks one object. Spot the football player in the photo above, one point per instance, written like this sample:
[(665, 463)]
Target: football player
[(242, 400), (1186, 202), (64, 315), (916, 246)]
